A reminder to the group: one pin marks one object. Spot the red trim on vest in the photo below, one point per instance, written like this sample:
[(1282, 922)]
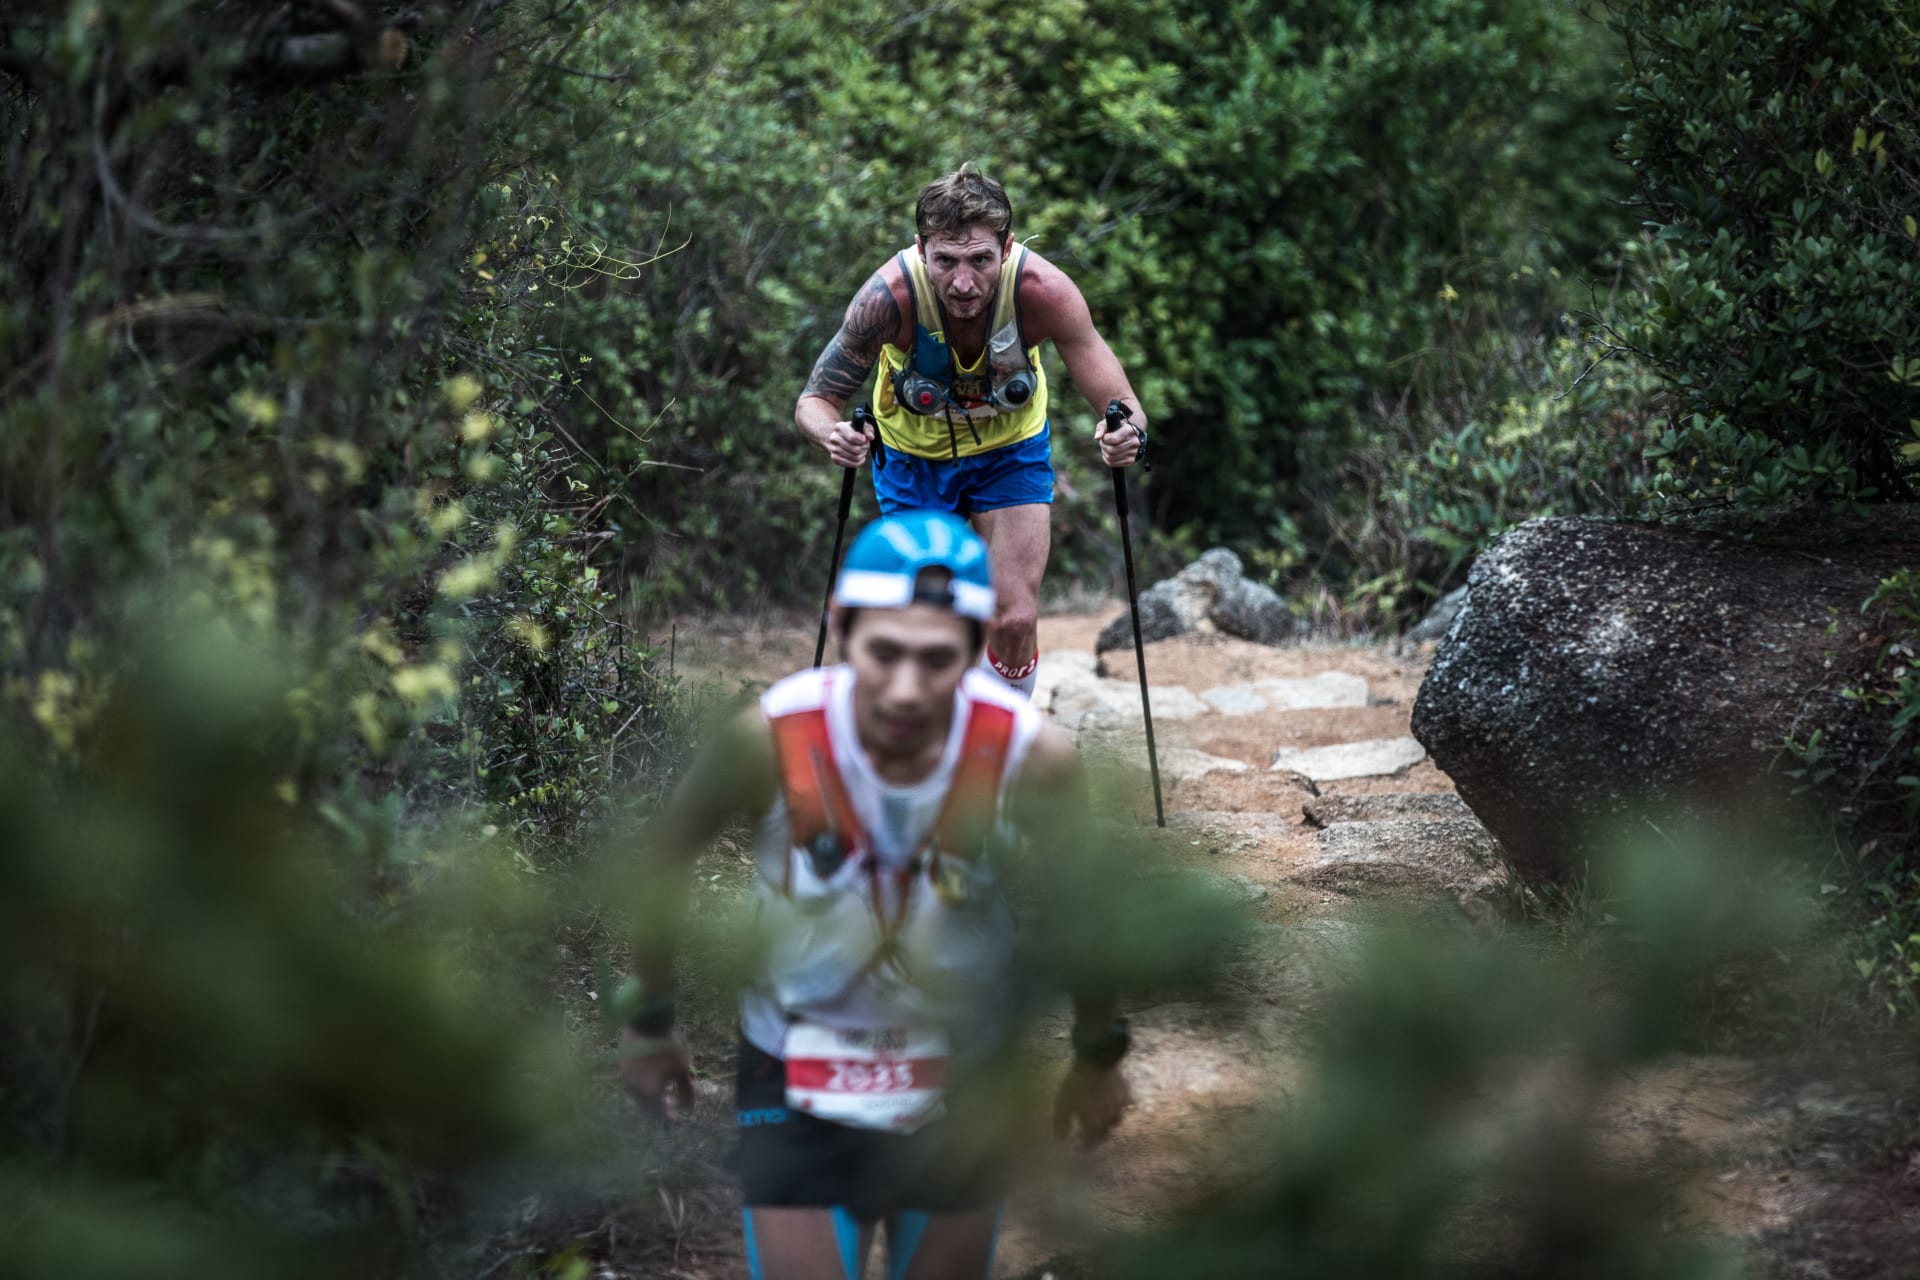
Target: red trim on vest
[(1013, 673), (973, 797), (817, 799)]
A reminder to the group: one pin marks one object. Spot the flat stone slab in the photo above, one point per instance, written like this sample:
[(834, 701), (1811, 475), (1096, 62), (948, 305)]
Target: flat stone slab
[(1079, 697), (1234, 700), (1056, 669), (1328, 689), (1448, 856), (1325, 811), (1232, 831), (1180, 764), (1371, 759)]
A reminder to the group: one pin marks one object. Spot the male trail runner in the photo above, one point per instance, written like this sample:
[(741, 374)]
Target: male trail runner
[(955, 323), (887, 793)]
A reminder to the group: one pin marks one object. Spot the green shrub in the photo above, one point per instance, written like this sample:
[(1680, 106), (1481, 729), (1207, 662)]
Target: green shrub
[(267, 361), (1552, 424), (1772, 147), (309, 666)]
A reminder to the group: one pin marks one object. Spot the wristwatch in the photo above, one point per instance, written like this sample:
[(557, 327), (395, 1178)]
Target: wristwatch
[(1102, 1047)]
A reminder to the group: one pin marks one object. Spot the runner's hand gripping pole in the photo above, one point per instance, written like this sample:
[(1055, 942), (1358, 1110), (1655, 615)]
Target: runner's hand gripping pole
[(1118, 413), (862, 422)]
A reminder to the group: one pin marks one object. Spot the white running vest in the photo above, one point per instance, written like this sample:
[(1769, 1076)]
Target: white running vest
[(821, 935)]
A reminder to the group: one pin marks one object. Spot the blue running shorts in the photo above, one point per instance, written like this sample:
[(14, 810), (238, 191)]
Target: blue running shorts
[(1010, 476)]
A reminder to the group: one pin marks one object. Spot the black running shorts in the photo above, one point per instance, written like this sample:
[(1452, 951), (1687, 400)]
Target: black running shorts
[(788, 1159)]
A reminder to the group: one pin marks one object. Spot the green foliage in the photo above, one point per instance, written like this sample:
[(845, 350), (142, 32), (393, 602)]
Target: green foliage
[(1293, 220), (309, 665), (1888, 944), (1893, 689), (1888, 940), (274, 374), (1772, 150), (1264, 213), (230, 1052), (1550, 427), (1459, 1094)]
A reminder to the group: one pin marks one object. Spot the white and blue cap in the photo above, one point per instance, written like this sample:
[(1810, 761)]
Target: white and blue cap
[(883, 567)]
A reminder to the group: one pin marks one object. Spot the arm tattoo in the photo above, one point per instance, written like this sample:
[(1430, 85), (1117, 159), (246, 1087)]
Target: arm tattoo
[(873, 319)]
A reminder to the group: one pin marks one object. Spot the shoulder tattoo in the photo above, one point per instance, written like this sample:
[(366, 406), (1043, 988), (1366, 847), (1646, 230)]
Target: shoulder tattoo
[(872, 320)]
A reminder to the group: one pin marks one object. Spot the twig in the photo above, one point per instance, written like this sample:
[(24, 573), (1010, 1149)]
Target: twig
[(1606, 353), (605, 77)]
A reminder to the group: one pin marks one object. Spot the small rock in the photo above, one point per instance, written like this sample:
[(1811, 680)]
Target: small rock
[(1328, 689), (1438, 618), (1211, 594), (1370, 759), (1079, 698)]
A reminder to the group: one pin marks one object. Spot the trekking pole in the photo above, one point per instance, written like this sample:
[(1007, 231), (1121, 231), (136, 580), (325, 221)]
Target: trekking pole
[(1118, 413), (862, 419)]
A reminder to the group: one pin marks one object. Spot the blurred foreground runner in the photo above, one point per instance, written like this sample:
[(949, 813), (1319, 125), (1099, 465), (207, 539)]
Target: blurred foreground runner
[(955, 323), (888, 792)]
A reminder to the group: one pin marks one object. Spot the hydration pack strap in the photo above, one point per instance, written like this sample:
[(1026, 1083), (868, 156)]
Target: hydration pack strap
[(817, 800), (925, 306), (1006, 296), (966, 817)]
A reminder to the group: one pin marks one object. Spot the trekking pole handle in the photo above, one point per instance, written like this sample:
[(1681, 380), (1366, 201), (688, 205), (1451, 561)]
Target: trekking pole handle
[(1117, 414), (862, 422)]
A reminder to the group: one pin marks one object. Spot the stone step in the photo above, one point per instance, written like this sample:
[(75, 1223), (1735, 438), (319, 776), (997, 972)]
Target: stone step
[(1451, 857), (1374, 758), (1325, 691)]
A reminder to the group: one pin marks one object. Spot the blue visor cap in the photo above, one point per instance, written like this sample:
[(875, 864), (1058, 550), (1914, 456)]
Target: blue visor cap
[(885, 563)]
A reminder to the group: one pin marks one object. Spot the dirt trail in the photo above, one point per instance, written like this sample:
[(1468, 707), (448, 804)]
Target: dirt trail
[(1359, 819)]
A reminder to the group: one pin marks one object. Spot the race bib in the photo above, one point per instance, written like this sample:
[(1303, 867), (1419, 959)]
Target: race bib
[(889, 1079)]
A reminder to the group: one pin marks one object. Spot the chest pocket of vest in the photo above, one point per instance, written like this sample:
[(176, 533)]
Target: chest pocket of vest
[(925, 935)]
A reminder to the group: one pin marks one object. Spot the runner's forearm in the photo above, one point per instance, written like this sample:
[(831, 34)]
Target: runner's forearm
[(816, 417)]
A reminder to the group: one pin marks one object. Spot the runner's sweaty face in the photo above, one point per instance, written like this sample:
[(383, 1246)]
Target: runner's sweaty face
[(907, 664), (965, 266)]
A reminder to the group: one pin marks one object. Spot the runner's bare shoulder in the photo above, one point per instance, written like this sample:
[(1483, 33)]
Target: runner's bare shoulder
[(735, 774), (1052, 762), (894, 281), (1051, 305)]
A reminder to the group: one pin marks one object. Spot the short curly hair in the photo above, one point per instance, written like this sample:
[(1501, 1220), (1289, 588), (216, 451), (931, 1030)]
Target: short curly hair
[(964, 198)]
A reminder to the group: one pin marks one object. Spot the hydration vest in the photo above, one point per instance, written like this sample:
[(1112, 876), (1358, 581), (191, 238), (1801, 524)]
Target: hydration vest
[(929, 932), (928, 405)]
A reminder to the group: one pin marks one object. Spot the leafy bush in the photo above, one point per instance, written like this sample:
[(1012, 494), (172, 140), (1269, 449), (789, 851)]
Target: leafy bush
[(1458, 1102), (1553, 425), (228, 1050), (1296, 206), (1770, 147), (258, 358), (308, 649)]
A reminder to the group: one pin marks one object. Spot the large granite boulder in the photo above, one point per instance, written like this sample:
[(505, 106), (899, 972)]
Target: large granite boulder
[(1211, 594), (1603, 672)]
